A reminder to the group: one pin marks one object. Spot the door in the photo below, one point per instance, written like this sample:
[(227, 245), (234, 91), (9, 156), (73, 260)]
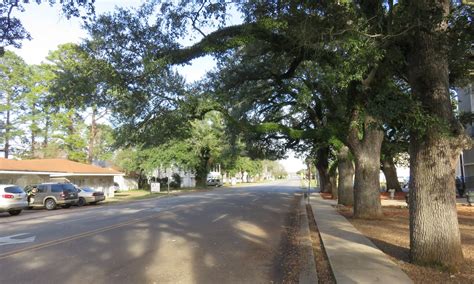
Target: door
[(41, 193)]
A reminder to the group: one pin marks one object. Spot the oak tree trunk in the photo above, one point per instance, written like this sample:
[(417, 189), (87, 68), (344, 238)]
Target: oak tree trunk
[(203, 168), (390, 172), (434, 230), (366, 153), (322, 165), (345, 185), (324, 180), (333, 180)]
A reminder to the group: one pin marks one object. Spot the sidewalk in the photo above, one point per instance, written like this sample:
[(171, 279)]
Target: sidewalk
[(353, 257)]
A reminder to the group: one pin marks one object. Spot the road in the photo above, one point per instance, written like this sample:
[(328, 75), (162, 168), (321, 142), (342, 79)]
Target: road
[(222, 236)]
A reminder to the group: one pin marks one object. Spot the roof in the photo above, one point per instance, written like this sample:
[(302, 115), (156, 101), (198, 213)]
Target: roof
[(53, 166)]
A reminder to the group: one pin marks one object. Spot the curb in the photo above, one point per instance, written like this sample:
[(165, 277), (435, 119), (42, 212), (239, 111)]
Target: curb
[(308, 272)]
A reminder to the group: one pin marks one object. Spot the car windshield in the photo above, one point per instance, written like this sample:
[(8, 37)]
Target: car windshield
[(13, 189), (69, 187), (88, 189)]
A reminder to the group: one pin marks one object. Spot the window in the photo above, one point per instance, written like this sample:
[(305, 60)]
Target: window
[(13, 189), (56, 188), (42, 188), (69, 187)]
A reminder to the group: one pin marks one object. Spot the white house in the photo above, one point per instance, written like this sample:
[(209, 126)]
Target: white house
[(125, 183), (25, 172), (188, 178)]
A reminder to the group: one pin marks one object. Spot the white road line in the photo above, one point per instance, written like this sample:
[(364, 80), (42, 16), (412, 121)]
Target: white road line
[(10, 240), (220, 217)]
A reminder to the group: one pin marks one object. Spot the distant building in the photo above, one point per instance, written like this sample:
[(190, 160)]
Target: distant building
[(125, 183), (188, 178), (466, 104), (25, 172)]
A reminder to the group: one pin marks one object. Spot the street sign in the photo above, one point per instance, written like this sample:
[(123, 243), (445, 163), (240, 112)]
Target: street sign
[(155, 187)]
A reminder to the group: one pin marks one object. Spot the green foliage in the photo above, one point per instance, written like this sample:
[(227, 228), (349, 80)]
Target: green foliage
[(130, 160), (176, 183), (245, 164), (70, 129), (275, 168), (82, 81), (104, 141), (13, 89), (178, 153), (461, 37)]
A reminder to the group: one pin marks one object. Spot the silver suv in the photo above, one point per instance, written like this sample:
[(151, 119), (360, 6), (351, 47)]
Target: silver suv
[(50, 195), (12, 199)]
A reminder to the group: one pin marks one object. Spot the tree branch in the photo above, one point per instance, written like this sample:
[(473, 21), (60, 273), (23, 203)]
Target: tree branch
[(193, 20)]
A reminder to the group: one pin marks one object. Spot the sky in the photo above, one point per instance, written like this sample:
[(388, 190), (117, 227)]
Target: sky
[(49, 29), (292, 164)]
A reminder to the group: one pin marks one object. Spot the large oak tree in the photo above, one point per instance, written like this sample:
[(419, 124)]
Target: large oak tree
[(378, 37)]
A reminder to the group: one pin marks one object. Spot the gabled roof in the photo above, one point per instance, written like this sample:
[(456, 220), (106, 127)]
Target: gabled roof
[(53, 166)]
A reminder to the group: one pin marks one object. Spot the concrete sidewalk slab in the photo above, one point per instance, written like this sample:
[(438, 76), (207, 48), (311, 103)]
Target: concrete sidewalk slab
[(353, 257)]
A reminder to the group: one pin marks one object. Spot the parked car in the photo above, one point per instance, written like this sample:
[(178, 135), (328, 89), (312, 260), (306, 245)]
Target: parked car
[(470, 197), (13, 199), (405, 187), (213, 182), (89, 196), (460, 187), (50, 195)]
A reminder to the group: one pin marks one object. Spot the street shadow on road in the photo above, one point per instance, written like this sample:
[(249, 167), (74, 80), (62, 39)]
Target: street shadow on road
[(223, 237)]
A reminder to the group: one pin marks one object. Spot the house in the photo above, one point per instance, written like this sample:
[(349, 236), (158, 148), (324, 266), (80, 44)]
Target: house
[(125, 183), (188, 178), (466, 105), (24, 172)]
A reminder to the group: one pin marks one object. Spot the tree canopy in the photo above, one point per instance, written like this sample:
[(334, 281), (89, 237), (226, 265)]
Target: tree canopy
[(334, 80)]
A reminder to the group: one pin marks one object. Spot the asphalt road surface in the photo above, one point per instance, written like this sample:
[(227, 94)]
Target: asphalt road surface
[(223, 236)]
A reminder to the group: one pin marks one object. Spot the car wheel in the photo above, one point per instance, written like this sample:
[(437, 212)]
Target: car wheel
[(50, 204), (66, 206), (14, 212), (81, 202)]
